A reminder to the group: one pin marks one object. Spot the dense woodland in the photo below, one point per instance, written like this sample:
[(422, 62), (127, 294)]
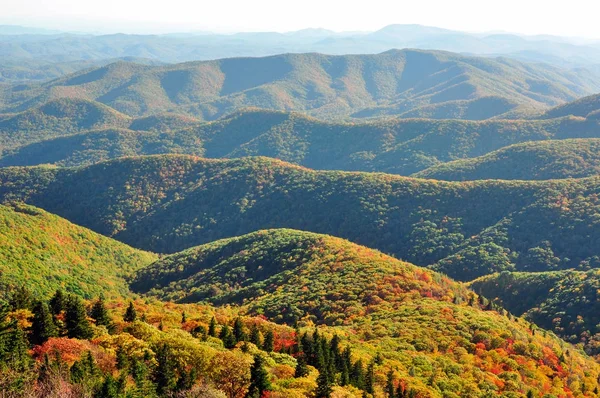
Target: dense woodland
[(410, 224)]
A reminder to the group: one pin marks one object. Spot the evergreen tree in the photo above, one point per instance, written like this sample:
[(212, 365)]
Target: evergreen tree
[(389, 386), (301, 366), (99, 313), (259, 379), (212, 327), (324, 388), (269, 342), (238, 330), (42, 325), (122, 358), (370, 378), (21, 298), (227, 337), (183, 317), (255, 336), (57, 302), (76, 322), (16, 355), (530, 394), (130, 313), (109, 388), (186, 379), (164, 372), (357, 375)]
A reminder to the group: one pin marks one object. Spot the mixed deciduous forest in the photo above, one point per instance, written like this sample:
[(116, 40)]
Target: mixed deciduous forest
[(176, 222)]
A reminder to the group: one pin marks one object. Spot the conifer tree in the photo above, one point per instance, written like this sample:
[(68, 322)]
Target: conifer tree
[(109, 388), (122, 358), (324, 388), (269, 342), (100, 314), (42, 325), (227, 337), (357, 375), (259, 379), (130, 313), (389, 386), (370, 378), (183, 317), (301, 366), (212, 327), (255, 336), (21, 298), (76, 322), (57, 302), (164, 372), (238, 330)]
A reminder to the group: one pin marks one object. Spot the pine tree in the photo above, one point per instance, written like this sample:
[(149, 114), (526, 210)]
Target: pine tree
[(16, 355), (42, 325), (164, 372), (99, 313), (57, 302), (109, 388), (389, 386), (255, 336), (21, 298), (324, 388), (301, 366), (259, 379), (269, 342), (238, 330), (370, 378), (130, 313), (357, 375), (186, 379), (76, 322), (212, 327), (183, 317), (530, 394), (122, 358), (227, 337)]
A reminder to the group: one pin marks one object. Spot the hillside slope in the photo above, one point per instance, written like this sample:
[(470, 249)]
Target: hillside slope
[(583, 107), (45, 252), (565, 302), (169, 203), (541, 160), (322, 85), (288, 274), (401, 146)]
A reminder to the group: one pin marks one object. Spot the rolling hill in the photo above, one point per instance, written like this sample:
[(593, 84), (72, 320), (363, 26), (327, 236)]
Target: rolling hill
[(583, 107), (541, 160), (328, 87), (170, 203), (400, 146), (45, 252), (565, 302), (287, 275)]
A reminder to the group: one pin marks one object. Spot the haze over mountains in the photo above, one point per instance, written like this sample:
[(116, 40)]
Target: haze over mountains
[(407, 213)]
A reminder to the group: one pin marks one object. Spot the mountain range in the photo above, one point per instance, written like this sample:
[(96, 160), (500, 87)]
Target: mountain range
[(405, 83)]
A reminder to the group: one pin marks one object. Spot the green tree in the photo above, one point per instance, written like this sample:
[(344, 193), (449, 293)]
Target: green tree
[(227, 337), (57, 302), (164, 372), (109, 388), (76, 322), (259, 379), (130, 313), (389, 385), (255, 337), (238, 330), (301, 366), (42, 325), (269, 342), (324, 387), (100, 314), (212, 327)]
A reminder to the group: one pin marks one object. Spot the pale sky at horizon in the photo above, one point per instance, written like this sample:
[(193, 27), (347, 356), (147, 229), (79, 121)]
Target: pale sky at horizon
[(530, 17)]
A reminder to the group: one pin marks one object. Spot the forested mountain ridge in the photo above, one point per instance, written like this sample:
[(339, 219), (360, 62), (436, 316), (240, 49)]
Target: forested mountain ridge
[(539, 160), (401, 146), (565, 302), (330, 87), (169, 203), (45, 253), (289, 275)]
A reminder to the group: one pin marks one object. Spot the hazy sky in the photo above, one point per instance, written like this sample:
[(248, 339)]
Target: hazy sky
[(566, 18)]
